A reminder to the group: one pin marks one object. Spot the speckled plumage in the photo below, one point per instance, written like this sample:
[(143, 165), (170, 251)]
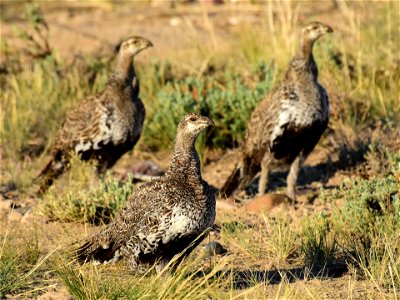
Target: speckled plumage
[(164, 217), (104, 126), (287, 124)]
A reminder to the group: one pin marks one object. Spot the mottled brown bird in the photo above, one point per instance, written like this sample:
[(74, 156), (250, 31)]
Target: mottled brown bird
[(164, 217), (104, 126), (285, 127)]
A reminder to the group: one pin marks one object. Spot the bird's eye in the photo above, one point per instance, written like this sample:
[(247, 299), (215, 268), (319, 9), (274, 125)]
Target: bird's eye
[(193, 119)]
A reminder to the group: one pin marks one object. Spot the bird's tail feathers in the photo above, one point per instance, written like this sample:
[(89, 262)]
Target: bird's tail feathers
[(93, 250)]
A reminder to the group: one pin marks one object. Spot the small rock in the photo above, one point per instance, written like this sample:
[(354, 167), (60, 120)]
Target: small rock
[(225, 205), (264, 203), (147, 168), (214, 248)]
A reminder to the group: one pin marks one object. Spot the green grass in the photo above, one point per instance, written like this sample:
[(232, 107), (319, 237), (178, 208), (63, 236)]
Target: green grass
[(318, 246), (369, 224), (20, 262), (189, 281), (84, 200)]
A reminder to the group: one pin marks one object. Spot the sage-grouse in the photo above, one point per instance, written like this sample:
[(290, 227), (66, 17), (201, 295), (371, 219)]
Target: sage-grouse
[(285, 127), (163, 217), (104, 126)]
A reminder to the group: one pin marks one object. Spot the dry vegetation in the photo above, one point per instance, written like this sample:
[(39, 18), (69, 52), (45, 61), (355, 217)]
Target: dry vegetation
[(343, 241)]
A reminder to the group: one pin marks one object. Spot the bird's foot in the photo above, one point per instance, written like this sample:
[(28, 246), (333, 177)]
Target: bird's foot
[(292, 197), (160, 266)]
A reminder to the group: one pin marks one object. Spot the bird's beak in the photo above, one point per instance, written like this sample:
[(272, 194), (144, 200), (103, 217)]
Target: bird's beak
[(149, 44), (207, 122), (329, 29), (210, 122)]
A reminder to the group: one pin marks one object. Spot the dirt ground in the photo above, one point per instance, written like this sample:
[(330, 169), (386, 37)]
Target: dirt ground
[(83, 27)]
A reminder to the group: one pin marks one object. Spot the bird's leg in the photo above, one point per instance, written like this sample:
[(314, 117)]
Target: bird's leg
[(132, 262), (263, 183), (292, 176), (160, 265)]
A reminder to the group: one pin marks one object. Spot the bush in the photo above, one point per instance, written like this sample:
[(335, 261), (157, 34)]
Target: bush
[(228, 104)]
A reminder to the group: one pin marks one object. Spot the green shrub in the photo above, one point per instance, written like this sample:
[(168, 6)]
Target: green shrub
[(20, 260), (229, 104), (367, 226), (318, 245), (97, 205)]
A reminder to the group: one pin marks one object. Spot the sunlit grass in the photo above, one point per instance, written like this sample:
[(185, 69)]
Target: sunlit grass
[(20, 261), (82, 198)]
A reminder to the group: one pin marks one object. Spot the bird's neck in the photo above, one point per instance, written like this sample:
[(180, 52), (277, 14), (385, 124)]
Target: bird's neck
[(305, 50), (124, 71), (185, 163), (303, 64)]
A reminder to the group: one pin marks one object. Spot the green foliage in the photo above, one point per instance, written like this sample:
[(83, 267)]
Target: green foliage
[(232, 227), (368, 201), (368, 225), (19, 260), (318, 247), (283, 241), (8, 274), (229, 104), (94, 205), (93, 284), (109, 282), (367, 77)]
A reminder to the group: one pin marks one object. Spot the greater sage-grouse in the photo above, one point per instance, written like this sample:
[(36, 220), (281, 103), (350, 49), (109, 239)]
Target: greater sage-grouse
[(104, 126), (164, 217), (287, 124)]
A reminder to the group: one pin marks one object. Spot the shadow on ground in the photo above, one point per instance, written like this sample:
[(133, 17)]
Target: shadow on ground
[(348, 159), (243, 279)]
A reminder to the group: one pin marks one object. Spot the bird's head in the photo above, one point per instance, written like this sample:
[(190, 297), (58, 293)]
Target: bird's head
[(192, 124), (134, 45), (315, 30), (187, 132)]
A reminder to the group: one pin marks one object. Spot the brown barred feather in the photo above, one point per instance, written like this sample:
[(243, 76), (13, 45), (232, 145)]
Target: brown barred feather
[(164, 217), (287, 124), (105, 126)]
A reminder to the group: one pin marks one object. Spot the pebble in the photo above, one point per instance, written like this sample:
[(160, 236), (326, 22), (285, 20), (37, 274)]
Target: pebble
[(264, 203), (214, 248)]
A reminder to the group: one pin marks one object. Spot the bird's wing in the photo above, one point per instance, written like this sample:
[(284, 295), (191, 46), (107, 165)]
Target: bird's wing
[(285, 114), (264, 123), (299, 123), (324, 103), (83, 124), (146, 218)]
